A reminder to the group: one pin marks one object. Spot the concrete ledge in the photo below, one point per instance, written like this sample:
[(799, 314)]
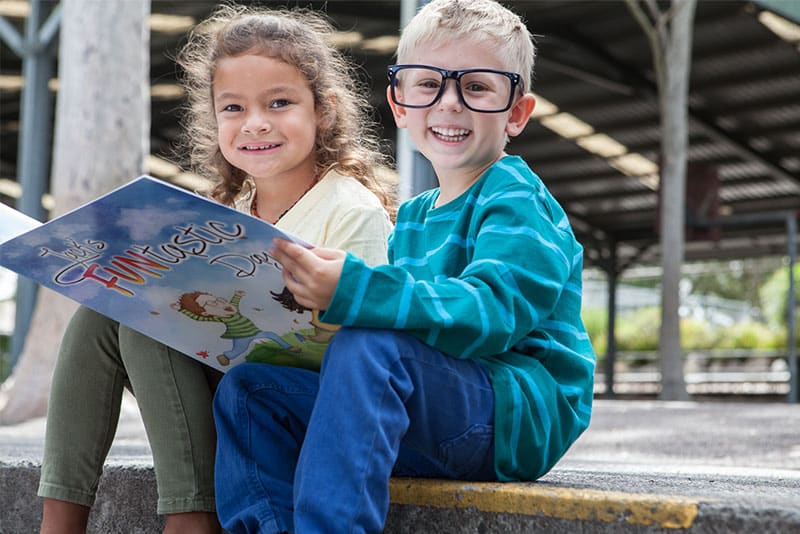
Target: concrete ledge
[(642, 467), (127, 497), (126, 501), (547, 501), (449, 507)]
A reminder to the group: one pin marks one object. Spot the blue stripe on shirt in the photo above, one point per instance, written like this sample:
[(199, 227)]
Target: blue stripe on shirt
[(452, 239), (526, 232), (505, 195), (409, 226), (358, 296), (482, 319), (567, 328), (405, 302), (511, 170), (447, 319), (505, 274), (575, 392)]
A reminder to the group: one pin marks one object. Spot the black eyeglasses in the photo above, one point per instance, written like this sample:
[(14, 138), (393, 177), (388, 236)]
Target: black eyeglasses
[(482, 90)]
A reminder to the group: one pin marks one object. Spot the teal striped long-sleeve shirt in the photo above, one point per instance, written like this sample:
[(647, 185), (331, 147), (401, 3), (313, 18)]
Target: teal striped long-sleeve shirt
[(494, 276)]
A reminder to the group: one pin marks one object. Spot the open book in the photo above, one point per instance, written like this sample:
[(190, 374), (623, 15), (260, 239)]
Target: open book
[(179, 268), (14, 223)]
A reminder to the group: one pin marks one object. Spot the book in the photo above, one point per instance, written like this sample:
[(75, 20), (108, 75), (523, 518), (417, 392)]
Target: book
[(14, 223), (182, 269)]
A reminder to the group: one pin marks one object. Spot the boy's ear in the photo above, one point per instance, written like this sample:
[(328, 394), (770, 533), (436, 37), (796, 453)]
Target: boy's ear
[(519, 114), (399, 112)]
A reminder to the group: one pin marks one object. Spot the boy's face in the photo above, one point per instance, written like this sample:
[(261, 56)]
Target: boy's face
[(215, 306), (459, 142)]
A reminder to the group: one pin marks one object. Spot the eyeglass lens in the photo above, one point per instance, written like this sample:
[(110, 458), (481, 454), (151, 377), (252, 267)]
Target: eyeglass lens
[(481, 90)]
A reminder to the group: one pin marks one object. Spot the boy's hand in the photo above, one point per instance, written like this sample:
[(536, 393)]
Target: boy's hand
[(311, 275)]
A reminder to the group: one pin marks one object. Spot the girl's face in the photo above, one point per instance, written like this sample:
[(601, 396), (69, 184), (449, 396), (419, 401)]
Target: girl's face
[(266, 122)]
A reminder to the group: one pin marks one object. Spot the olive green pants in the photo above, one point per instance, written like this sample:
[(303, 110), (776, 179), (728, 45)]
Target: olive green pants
[(97, 359)]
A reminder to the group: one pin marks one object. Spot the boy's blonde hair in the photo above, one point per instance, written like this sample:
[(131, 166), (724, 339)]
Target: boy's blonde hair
[(344, 131), (446, 21)]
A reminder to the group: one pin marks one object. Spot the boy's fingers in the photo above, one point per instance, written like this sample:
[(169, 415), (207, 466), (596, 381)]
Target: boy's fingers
[(298, 290), (290, 281), (328, 253), (290, 254)]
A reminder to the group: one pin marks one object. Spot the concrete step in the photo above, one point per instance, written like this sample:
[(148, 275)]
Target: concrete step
[(642, 467), (127, 496)]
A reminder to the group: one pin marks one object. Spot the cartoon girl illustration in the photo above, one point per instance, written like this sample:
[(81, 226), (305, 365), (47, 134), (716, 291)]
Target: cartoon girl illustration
[(323, 332)]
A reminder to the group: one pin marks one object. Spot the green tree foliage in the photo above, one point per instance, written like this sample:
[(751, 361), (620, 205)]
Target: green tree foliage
[(596, 322), (735, 280), (697, 334), (751, 335), (775, 295), (638, 330)]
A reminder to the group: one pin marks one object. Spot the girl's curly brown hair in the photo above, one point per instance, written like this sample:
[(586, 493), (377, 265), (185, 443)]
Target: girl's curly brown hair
[(345, 139)]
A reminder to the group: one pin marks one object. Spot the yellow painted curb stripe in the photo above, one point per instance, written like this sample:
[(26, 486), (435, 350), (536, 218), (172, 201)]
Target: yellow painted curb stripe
[(666, 511)]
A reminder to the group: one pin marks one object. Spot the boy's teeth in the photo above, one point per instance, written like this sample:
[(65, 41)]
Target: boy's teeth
[(454, 133)]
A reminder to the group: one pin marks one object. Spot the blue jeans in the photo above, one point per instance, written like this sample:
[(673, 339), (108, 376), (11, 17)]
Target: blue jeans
[(304, 452)]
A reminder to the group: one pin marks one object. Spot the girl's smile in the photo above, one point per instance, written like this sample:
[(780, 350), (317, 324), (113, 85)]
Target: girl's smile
[(258, 148)]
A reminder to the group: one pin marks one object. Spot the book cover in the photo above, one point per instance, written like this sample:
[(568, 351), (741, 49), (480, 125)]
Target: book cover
[(187, 271), (14, 223)]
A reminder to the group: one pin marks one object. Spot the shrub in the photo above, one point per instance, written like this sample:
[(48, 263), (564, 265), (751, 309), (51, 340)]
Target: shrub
[(774, 295), (596, 322), (638, 329), (697, 334), (750, 335)]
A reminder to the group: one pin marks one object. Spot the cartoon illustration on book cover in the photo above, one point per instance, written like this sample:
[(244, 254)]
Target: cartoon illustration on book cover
[(239, 329)]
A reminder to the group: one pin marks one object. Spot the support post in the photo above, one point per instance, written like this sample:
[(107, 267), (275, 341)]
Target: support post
[(33, 157), (791, 338), (415, 171), (611, 343)]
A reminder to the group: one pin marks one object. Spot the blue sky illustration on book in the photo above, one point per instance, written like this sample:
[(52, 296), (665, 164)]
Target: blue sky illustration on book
[(133, 253)]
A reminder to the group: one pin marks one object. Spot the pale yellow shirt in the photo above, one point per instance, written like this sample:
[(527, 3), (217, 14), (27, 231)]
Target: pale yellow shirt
[(338, 212)]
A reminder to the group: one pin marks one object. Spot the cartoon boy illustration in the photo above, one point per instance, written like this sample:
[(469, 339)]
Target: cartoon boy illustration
[(242, 331)]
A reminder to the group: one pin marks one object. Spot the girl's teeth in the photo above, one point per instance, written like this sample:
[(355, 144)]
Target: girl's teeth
[(258, 147)]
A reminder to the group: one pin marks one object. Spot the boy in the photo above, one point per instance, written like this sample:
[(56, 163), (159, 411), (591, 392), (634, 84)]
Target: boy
[(469, 359)]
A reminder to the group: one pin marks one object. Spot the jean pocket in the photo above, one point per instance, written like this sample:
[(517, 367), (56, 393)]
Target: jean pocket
[(471, 454)]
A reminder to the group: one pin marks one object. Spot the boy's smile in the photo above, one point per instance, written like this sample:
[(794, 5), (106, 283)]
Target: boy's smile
[(460, 144), (450, 134)]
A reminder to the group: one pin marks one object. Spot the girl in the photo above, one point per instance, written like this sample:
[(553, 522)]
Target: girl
[(278, 123)]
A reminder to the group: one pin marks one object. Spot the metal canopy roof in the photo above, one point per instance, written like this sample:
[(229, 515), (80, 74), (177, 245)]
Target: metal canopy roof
[(594, 63)]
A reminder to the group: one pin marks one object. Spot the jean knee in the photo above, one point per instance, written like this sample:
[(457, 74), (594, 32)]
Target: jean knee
[(350, 335), (229, 387), (362, 345)]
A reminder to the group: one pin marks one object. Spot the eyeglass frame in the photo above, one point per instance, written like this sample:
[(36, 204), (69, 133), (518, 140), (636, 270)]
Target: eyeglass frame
[(456, 75)]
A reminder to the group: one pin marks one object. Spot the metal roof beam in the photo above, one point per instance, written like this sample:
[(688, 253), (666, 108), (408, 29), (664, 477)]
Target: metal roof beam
[(636, 83)]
